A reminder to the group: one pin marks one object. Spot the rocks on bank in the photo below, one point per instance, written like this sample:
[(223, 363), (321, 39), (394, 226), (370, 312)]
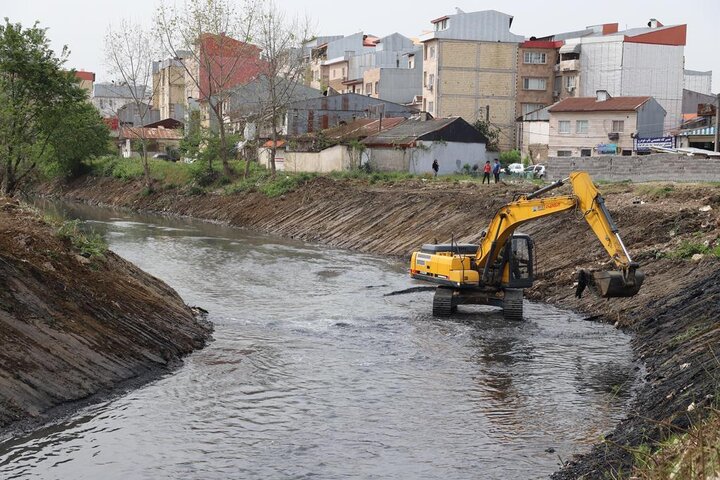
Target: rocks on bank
[(75, 324)]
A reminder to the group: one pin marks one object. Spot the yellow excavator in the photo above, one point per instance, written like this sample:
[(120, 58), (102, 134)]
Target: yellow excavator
[(496, 271)]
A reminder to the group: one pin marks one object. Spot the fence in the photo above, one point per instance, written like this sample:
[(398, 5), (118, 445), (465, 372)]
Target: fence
[(660, 167)]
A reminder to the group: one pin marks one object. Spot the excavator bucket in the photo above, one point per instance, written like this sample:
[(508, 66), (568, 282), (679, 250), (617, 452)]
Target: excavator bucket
[(611, 284)]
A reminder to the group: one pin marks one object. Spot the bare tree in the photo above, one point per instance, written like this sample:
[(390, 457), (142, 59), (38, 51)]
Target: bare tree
[(212, 36), (281, 40), (129, 53)]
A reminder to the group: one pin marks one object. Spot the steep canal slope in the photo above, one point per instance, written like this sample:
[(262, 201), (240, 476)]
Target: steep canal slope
[(674, 316), (73, 326)]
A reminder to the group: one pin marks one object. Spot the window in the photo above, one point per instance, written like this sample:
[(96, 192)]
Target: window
[(441, 25), (626, 153), (343, 72), (431, 106), (581, 126), (531, 107), (368, 89), (570, 82), (618, 125), (530, 83), (564, 153), (377, 90), (411, 61), (564, 126), (585, 152), (535, 57), (431, 81), (432, 52)]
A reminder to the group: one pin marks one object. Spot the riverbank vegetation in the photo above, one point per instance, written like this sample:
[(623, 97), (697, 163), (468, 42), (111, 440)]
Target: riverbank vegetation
[(46, 123)]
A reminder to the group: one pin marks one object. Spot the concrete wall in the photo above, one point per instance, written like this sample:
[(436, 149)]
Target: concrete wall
[(333, 159), (646, 168), (451, 157)]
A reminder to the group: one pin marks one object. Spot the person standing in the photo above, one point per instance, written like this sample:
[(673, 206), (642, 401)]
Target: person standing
[(496, 170), (486, 172), (435, 166)]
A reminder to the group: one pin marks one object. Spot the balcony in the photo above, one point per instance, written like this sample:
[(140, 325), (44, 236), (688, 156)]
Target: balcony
[(569, 65)]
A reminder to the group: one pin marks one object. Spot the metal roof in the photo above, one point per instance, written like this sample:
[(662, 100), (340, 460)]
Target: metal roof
[(453, 129), (591, 104)]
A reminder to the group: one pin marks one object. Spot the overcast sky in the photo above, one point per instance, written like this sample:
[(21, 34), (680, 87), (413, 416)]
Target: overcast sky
[(81, 25)]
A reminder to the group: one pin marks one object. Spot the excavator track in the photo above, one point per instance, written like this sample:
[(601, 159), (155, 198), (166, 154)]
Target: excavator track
[(443, 302), (513, 304)]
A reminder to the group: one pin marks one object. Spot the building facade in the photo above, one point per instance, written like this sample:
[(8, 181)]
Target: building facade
[(470, 70), (169, 88), (602, 125), (537, 67)]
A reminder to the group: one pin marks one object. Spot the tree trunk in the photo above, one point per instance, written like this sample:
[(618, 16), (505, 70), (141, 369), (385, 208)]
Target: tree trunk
[(273, 148), (247, 160), (8, 181), (146, 167)]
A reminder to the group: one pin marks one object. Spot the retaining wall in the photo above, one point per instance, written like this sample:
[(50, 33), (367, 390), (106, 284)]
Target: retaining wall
[(659, 167)]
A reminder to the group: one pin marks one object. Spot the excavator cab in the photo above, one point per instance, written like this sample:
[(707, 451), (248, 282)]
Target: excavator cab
[(514, 265)]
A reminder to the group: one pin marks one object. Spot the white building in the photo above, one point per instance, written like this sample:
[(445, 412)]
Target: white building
[(109, 98), (646, 61)]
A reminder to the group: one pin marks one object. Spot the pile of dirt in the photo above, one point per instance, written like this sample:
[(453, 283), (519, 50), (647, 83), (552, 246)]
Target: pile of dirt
[(673, 315), (75, 326)]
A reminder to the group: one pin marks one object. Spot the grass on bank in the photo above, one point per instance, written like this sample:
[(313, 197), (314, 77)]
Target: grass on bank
[(694, 454), (197, 179), (89, 244)]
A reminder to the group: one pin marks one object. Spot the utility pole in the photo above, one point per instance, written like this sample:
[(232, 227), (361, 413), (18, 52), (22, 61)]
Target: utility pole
[(717, 124)]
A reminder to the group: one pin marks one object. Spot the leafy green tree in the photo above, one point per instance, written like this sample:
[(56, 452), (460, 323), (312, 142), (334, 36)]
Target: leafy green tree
[(490, 132), (77, 133), (33, 89)]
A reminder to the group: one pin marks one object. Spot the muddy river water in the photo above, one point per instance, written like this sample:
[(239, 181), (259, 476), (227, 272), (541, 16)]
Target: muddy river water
[(314, 373)]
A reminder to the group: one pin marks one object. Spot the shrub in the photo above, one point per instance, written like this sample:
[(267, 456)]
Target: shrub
[(90, 244)]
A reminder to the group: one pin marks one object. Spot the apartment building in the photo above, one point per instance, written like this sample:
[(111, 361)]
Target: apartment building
[(601, 125), (637, 61), (110, 97), (329, 61), (470, 69), (536, 73), (169, 88)]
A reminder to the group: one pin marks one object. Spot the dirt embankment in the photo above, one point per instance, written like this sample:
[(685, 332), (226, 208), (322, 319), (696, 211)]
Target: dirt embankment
[(674, 316), (74, 327)]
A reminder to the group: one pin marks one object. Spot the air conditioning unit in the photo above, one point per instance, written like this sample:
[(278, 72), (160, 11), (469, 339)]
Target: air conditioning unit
[(613, 136)]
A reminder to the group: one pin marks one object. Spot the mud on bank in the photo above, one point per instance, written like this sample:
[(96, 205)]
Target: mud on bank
[(674, 316), (74, 326)]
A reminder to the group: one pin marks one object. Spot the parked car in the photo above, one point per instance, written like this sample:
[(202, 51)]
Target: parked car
[(514, 169), (536, 171), (164, 156)]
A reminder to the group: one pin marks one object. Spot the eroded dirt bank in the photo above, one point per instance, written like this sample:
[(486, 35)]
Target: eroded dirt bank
[(72, 327), (674, 316)]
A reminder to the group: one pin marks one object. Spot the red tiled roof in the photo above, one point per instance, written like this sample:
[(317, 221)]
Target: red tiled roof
[(278, 144), (590, 104), (89, 76), (362, 127), (151, 133)]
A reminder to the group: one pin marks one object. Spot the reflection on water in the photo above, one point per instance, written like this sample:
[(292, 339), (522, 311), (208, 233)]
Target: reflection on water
[(314, 373)]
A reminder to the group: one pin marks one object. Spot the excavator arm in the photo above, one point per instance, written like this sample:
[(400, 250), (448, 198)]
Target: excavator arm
[(586, 199)]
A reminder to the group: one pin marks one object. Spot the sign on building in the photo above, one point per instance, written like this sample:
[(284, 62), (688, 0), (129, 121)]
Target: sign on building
[(607, 148), (644, 144)]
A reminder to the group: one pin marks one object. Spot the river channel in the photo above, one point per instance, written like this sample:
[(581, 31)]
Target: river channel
[(314, 373)]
